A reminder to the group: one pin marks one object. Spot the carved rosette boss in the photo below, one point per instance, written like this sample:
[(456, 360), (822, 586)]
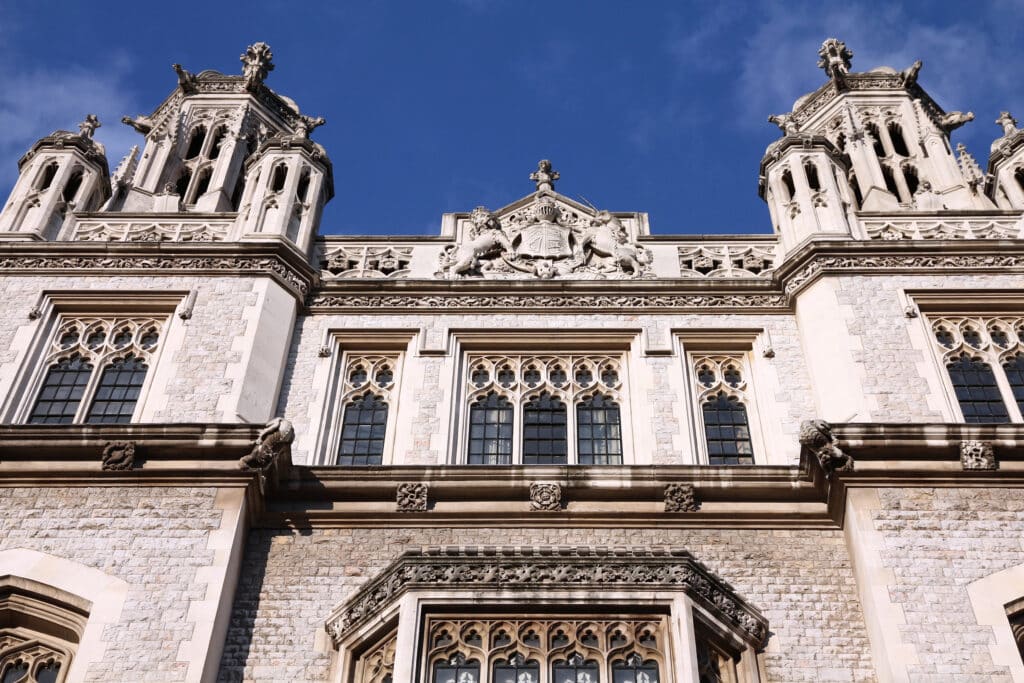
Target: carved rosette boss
[(411, 497), (978, 455), (545, 497), (681, 498), (119, 456)]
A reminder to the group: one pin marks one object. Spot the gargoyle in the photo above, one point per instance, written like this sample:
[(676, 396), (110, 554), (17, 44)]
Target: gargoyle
[(273, 443), (909, 75), (817, 436), (954, 120), (142, 124), (186, 79)]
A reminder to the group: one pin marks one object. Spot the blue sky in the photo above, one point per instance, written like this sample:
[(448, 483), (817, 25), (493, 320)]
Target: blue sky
[(443, 105)]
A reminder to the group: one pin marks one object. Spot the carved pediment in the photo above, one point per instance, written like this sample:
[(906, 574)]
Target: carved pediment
[(545, 235)]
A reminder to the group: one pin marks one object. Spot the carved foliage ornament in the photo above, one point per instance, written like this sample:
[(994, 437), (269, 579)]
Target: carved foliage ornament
[(546, 497), (978, 455), (681, 498), (411, 497), (119, 455), (530, 569)]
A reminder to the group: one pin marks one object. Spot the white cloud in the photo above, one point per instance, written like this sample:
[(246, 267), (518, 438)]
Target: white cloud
[(36, 102)]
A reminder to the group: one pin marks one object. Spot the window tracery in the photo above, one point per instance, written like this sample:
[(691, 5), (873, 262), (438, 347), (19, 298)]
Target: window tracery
[(39, 631), (984, 361), (721, 386), (95, 370), (544, 409), (547, 650), (368, 382)]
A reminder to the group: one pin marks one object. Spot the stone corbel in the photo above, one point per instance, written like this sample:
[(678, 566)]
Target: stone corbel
[(271, 454)]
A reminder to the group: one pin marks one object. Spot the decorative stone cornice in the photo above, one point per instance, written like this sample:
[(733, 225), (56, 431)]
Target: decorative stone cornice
[(534, 569), (157, 258), (609, 302)]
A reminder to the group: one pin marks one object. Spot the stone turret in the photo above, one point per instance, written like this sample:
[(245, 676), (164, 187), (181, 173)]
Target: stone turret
[(1006, 165), (890, 145), (62, 172), (210, 141)]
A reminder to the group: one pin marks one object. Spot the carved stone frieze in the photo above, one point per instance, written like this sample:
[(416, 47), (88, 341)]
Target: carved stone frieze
[(681, 498), (520, 301), (943, 228), (545, 497), (119, 456), (273, 444), (978, 455), (145, 263), (365, 261), (150, 231), (727, 261), (411, 497), (533, 569), (817, 436)]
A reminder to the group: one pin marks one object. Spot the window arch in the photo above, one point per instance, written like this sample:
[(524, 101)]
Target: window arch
[(1018, 175), (73, 184), (788, 186), (855, 186), (95, 370), (181, 186), (539, 409), (899, 144), (218, 140), (876, 139), (40, 628), (811, 172), (46, 175), (195, 142), (202, 184), (368, 383), (890, 181), (278, 177), (910, 177), (721, 394)]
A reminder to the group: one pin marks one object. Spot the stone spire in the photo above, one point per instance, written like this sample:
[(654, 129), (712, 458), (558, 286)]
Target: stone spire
[(544, 176), (969, 167)]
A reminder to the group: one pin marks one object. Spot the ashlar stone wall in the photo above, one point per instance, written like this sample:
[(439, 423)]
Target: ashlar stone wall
[(800, 579)]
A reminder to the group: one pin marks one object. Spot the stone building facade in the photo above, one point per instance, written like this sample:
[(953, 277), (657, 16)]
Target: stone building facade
[(544, 446)]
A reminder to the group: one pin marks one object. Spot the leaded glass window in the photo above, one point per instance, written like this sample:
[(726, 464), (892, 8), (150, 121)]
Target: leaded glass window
[(95, 370), (626, 649), (363, 428), (490, 431), (368, 382), (537, 409), (598, 431), (118, 391), (721, 386), (984, 363), (545, 437)]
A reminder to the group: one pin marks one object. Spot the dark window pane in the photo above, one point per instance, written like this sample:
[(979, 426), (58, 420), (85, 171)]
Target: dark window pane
[(976, 390), (635, 670), (516, 670), (1014, 368), (490, 431), (545, 431), (118, 391), (598, 434), (62, 391), (727, 431), (457, 670), (575, 670), (362, 431)]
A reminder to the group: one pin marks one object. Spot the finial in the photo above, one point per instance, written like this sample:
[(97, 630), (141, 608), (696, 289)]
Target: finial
[(969, 167), (544, 176), (256, 64), (89, 126), (834, 58), (1008, 123)]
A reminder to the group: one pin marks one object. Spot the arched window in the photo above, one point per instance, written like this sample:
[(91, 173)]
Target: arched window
[(727, 431), (218, 140), (545, 431), (789, 187), (811, 171), (1014, 368), (278, 178), (598, 431), (890, 180), (46, 176), (118, 391), (855, 186), (302, 188), (1019, 177), (181, 187), (236, 194), (195, 142), (876, 140), (202, 183), (71, 186), (40, 628), (62, 392), (976, 390), (911, 179), (899, 144), (841, 143), (490, 431), (119, 348), (363, 428)]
